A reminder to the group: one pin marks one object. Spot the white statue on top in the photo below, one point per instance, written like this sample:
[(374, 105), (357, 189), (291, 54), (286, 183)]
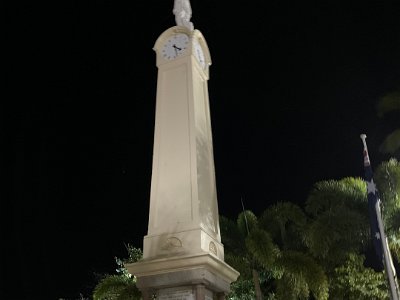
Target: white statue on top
[(183, 12)]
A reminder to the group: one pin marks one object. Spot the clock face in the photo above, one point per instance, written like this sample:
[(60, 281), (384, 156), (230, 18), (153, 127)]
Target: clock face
[(198, 53), (175, 46)]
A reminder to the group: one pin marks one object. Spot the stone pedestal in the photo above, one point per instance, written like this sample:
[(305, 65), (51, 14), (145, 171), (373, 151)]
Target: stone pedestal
[(191, 277)]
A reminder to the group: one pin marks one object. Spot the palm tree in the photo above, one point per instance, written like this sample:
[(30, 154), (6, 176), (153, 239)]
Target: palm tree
[(234, 236), (301, 254), (270, 251), (298, 274), (338, 220), (337, 235), (286, 222)]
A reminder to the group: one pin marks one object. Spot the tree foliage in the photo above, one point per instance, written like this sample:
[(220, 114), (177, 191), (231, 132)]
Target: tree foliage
[(120, 286), (316, 252), (274, 246), (236, 236), (286, 223), (301, 276), (259, 243), (290, 252), (338, 221), (116, 287), (387, 177), (353, 281)]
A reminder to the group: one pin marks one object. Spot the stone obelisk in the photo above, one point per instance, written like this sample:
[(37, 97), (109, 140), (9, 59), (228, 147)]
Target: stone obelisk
[(183, 257)]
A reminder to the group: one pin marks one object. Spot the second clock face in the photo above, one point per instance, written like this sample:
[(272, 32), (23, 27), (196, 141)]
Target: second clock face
[(198, 53), (175, 46)]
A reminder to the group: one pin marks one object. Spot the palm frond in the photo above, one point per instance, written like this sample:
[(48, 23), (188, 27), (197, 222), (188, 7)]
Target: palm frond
[(335, 232), (231, 237), (246, 222), (303, 274), (239, 263), (347, 193), (260, 245), (285, 222)]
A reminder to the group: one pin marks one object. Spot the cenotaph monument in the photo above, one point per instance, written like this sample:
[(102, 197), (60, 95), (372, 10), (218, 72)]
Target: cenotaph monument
[(183, 257)]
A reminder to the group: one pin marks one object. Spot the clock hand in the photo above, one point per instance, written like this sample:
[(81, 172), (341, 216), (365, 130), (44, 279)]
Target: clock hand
[(176, 48)]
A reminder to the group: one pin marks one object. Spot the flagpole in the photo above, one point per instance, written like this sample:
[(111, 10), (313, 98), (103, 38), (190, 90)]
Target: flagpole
[(256, 276), (245, 218), (387, 258)]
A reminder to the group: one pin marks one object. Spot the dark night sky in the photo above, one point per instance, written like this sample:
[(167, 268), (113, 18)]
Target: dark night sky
[(292, 86)]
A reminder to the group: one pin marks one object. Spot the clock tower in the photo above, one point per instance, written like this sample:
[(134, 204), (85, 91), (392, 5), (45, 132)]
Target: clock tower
[(183, 257)]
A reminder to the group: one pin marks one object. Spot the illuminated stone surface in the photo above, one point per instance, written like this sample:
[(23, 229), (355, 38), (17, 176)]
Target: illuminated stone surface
[(183, 257)]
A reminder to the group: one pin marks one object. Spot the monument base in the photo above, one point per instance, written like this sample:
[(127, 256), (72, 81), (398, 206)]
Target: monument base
[(192, 277)]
